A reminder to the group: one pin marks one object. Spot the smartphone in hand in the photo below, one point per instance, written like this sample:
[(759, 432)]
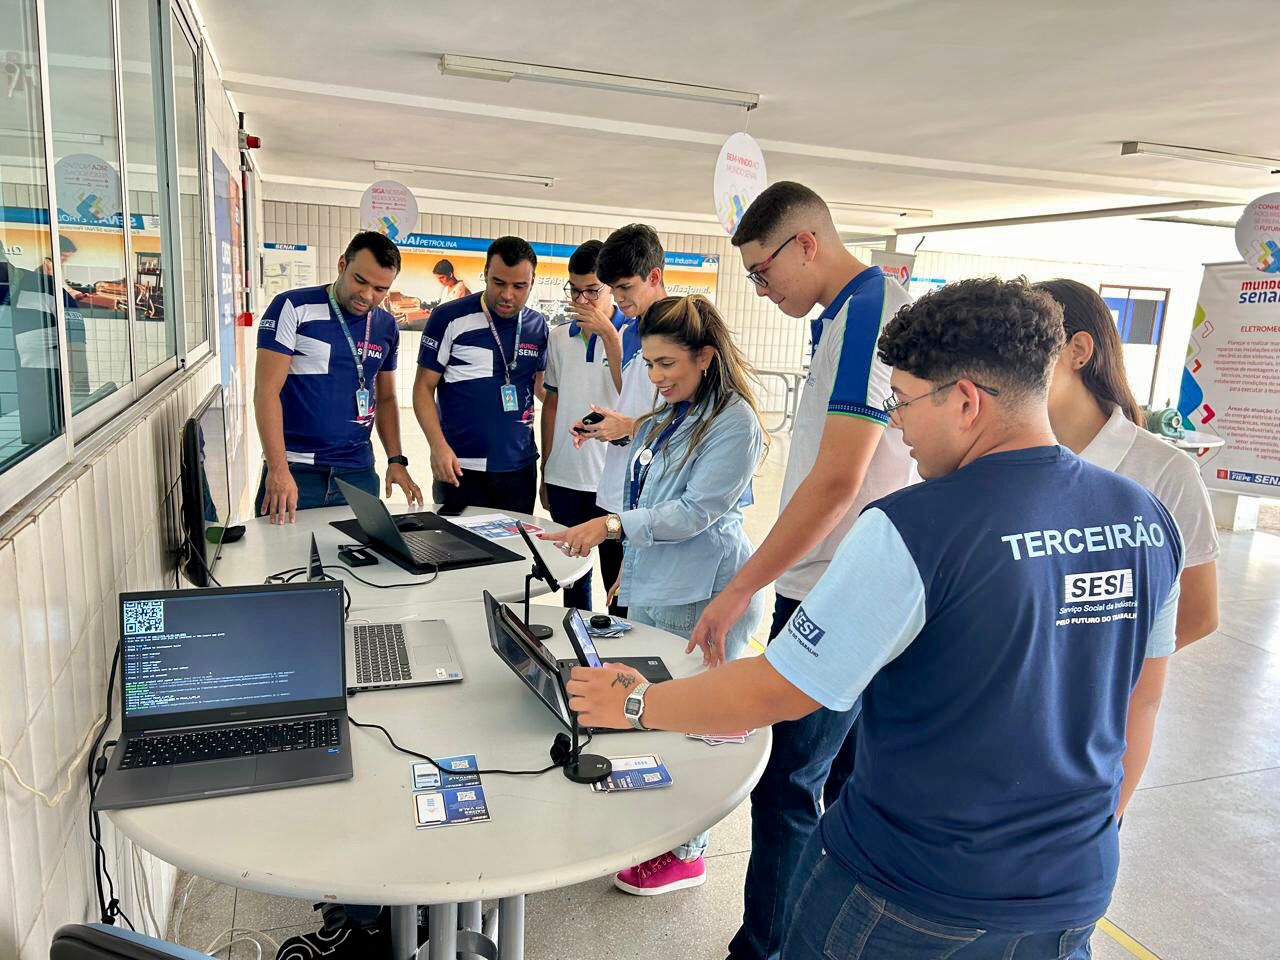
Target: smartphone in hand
[(590, 419)]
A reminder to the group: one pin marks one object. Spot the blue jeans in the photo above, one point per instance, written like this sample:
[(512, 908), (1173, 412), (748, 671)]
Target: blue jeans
[(834, 915), (680, 619), (812, 759), (316, 487), (572, 507)]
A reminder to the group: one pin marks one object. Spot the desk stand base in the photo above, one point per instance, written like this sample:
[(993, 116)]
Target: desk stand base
[(456, 932)]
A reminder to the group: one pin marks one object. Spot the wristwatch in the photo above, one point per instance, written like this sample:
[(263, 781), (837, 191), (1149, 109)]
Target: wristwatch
[(613, 526), (398, 460), (634, 707)]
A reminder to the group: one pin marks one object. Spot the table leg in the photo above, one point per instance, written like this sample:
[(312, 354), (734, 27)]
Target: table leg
[(469, 915), (511, 928), (443, 921), (404, 933)]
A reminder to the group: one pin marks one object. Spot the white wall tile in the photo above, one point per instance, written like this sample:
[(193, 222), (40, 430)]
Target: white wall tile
[(44, 777), (57, 907), (73, 558), (31, 612), (37, 944), (54, 567), (9, 938), (13, 703), (24, 842)]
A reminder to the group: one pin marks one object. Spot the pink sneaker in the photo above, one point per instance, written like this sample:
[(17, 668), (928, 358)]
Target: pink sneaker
[(662, 874)]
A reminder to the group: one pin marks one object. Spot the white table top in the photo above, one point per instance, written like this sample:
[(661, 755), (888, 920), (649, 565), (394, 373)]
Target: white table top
[(1197, 440), (355, 841), (270, 548)]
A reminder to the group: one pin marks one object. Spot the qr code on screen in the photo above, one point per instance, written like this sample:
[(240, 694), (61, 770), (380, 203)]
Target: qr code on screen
[(143, 616)]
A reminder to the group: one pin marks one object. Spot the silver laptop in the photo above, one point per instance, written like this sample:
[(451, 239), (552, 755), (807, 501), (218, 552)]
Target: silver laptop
[(228, 690), (385, 656)]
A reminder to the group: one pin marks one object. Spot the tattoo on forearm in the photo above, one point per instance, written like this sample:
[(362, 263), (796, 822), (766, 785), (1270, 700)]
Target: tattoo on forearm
[(622, 680)]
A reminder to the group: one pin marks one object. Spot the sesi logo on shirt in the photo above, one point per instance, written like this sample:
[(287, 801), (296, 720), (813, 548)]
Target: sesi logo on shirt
[(805, 629), (1103, 585)]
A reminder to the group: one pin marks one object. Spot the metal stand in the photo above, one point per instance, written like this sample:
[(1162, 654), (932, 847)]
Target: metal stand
[(404, 933), (457, 934), (541, 631)]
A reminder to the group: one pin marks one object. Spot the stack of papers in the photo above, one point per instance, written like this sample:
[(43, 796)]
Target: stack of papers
[(724, 738), (444, 799), (634, 773), (617, 627), (494, 526)]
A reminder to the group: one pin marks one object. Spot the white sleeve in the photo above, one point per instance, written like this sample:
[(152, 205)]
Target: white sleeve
[(1163, 638), (831, 656), (1182, 491)]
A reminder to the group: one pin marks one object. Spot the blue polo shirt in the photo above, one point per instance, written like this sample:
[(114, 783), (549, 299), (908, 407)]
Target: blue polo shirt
[(321, 423), (458, 344), (994, 622)]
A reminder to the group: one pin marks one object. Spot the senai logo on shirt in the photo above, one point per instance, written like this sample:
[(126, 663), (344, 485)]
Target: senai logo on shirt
[(805, 629)]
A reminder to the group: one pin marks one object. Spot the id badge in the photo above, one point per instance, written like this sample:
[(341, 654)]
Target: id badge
[(510, 399), (362, 403)]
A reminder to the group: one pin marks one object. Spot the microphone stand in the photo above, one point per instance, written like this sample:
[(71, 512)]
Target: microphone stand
[(539, 630), (585, 767)]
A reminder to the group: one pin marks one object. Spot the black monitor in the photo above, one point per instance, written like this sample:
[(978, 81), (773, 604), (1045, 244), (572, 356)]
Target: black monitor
[(206, 489), (204, 656)]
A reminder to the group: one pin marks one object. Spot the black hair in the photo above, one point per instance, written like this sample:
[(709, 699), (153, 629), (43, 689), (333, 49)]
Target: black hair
[(66, 244), (386, 253), (443, 268), (585, 258), (1003, 334), (630, 251), (771, 209), (513, 251), (1083, 309)]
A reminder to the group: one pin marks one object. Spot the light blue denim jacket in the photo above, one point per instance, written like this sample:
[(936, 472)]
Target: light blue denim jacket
[(684, 540)]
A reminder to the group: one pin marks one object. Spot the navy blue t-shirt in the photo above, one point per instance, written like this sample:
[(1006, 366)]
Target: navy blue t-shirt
[(995, 622), (458, 344), (321, 423)]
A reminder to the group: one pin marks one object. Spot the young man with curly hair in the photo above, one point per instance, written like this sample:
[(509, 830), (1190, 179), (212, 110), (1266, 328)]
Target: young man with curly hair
[(995, 621)]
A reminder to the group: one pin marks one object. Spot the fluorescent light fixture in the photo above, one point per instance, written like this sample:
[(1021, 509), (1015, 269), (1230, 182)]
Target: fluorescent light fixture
[(455, 172), (93, 138), (479, 68), (1132, 147), (883, 210)]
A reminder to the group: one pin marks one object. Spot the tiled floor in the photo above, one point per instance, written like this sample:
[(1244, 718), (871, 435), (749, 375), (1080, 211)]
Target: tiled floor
[(1200, 877)]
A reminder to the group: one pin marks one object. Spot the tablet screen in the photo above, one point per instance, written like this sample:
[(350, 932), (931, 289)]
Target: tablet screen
[(581, 639)]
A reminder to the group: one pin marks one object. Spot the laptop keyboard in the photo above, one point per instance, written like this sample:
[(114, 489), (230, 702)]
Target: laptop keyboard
[(164, 750), (424, 549), (381, 655)]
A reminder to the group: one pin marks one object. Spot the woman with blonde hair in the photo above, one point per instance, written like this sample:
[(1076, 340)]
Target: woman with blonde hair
[(692, 460)]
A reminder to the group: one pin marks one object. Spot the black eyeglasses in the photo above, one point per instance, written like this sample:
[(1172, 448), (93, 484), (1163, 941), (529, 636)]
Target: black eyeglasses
[(591, 294), (757, 276), (893, 406)]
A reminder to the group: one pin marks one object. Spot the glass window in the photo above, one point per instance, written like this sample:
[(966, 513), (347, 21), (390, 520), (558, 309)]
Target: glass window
[(1138, 311), (31, 411), (86, 151), (191, 207), (154, 340)]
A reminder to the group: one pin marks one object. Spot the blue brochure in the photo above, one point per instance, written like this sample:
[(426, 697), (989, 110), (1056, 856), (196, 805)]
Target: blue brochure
[(459, 772), (450, 805), (634, 773)]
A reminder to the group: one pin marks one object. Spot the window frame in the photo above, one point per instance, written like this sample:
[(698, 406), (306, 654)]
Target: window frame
[(33, 475)]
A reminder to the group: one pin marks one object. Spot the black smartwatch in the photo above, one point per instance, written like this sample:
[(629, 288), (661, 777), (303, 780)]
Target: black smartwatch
[(399, 460)]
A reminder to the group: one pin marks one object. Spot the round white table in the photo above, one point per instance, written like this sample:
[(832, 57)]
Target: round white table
[(356, 841), (269, 548)]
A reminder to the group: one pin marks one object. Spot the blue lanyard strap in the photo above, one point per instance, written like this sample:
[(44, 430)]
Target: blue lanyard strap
[(641, 465), (356, 355), (508, 366)]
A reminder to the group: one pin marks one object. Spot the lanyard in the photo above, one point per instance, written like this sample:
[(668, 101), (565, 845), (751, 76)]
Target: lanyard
[(643, 462), (356, 355), (508, 366)]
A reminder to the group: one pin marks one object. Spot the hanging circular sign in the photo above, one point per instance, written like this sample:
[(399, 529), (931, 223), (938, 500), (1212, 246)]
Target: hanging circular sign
[(389, 208), (1258, 233), (740, 177), (88, 188)]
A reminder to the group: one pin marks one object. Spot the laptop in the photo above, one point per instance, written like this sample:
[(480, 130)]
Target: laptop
[(418, 542), (529, 660), (387, 656), (228, 690)]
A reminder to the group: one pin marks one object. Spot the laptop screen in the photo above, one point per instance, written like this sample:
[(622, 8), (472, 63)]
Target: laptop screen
[(198, 656), (516, 652)]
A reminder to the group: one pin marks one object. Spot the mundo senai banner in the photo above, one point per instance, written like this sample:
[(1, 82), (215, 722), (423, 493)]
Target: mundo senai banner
[(1231, 384), (436, 269)]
